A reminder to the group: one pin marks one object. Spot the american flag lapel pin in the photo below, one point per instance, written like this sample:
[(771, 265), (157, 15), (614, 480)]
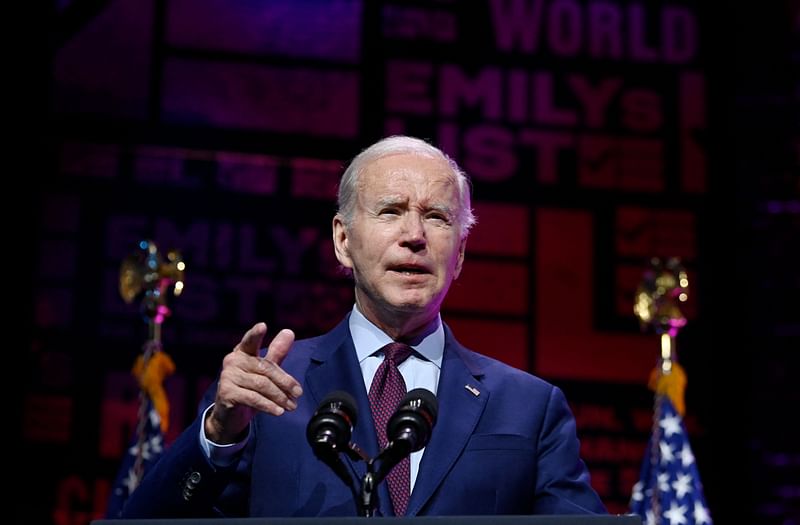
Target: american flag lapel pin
[(474, 391)]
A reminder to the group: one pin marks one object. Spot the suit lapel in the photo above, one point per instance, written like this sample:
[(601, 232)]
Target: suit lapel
[(459, 412), (334, 366)]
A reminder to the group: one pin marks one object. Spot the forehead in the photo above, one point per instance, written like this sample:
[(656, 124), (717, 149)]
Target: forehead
[(409, 174)]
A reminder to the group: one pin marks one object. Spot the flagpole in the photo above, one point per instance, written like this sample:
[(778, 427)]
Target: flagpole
[(150, 347), (669, 489), (146, 271), (664, 285)]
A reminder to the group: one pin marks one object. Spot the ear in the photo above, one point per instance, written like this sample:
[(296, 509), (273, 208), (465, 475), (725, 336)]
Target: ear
[(341, 242), (460, 262)]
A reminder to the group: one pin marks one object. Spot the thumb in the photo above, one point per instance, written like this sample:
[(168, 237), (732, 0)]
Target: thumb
[(280, 346), (251, 341)]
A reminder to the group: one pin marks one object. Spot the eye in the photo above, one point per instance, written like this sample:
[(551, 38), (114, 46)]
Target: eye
[(389, 211), (437, 216)]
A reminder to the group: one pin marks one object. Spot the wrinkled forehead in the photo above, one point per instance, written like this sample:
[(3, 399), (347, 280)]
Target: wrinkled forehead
[(409, 172)]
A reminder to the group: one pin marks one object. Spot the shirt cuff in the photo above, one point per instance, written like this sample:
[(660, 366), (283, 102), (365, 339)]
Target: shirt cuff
[(221, 455)]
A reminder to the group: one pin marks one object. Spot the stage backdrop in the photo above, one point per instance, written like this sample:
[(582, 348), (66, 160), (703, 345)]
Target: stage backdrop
[(221, 128)]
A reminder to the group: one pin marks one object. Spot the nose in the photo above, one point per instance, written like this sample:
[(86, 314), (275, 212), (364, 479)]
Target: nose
[(412, 234)]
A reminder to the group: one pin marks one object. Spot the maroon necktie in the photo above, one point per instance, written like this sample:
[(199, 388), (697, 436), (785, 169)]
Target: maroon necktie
[(385, 393)]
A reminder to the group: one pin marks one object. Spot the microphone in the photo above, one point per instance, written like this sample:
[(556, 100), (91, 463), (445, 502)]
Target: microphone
[(329, 429), (409, 428)]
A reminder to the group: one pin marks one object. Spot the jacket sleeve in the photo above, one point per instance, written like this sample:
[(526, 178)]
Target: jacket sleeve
[(562, 481), (184, 484)]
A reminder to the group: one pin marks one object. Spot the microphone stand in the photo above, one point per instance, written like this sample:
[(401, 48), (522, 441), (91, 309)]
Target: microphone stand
[(367, 500), (389, 457)]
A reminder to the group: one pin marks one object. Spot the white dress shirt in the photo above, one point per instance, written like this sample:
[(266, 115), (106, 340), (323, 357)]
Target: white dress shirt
[(420, 370)]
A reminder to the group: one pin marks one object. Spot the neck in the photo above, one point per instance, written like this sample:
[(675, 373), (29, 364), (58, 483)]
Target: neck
[(401, 326)]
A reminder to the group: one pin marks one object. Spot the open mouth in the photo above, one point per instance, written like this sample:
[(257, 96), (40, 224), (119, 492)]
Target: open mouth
[(409, 270)]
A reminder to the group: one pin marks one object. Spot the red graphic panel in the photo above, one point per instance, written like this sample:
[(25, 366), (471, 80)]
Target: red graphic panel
[(645, 233), (78, 501), (567, 345), (503, 340), (625, 163), (490, 287), (502, 229)]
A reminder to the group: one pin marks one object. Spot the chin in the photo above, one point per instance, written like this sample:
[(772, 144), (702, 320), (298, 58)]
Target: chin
[(414, 304), (408, 307)]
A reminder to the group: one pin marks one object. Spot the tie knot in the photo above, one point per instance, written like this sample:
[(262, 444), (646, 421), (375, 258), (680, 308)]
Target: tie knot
[(397, 352)]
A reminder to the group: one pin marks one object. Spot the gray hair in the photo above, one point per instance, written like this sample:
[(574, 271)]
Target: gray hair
[(348, 186)]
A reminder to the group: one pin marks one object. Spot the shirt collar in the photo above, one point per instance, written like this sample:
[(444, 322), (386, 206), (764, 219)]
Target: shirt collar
[(368, 338)]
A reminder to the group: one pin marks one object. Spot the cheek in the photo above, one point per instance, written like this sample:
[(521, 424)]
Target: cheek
[(367, 252), (450, 252), (380, 240)]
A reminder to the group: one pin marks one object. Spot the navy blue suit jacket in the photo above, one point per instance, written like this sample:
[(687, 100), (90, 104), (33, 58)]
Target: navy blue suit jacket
[(509, 449)]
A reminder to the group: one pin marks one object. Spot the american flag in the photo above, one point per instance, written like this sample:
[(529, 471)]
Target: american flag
[(145, 449), (669, 491)]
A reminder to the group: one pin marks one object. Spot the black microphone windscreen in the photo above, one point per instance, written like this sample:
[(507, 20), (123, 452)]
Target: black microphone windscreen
[(424, 397), (344, 402), (329, 429), (409, 428)]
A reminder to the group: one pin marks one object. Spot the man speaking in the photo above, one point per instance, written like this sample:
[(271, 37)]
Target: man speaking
[(504, 441)]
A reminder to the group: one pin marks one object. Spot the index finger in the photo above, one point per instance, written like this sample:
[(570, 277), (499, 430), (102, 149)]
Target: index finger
[(251, 341)]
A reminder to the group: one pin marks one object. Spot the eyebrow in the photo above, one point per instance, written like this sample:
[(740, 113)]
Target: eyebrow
[(390, 201), (400, 201)]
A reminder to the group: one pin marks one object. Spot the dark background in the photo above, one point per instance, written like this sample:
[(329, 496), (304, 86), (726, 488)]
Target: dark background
[(220, 128)]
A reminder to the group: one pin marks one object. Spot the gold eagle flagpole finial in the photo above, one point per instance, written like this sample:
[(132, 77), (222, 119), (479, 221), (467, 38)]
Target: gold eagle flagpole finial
[(663, 288)]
